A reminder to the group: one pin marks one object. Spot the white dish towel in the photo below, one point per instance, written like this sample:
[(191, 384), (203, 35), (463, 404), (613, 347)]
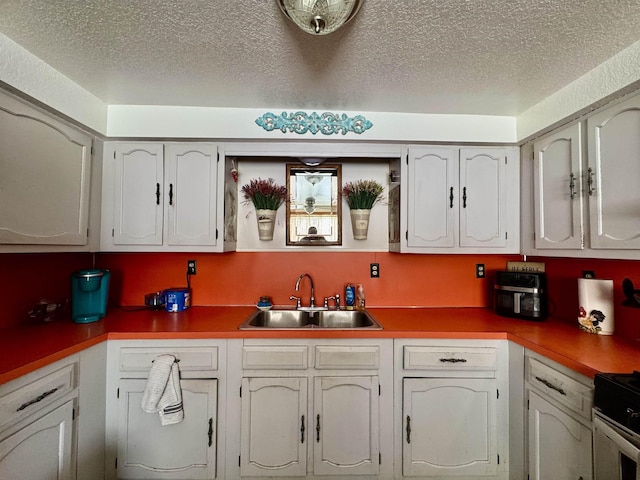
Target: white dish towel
[(162, 393)]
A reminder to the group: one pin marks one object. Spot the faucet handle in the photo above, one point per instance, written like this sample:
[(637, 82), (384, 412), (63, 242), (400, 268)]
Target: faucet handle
[(335, 298), (326, 301), (297, 299)]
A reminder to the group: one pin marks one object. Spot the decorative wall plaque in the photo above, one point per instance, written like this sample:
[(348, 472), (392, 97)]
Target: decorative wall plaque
[(326, 123)]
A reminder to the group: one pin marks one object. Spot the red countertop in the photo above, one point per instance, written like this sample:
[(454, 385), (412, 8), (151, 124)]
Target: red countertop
[(27, 348)]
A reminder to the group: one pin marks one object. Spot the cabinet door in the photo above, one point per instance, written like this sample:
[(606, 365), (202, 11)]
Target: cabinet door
[(559, 446), (139, 194), (449, 427), (191, 186), (185, 450), (433, 197), (558, 193), (274, 427), (345, 412), (482, 197), (614, 175), (45, 179), (42, 449)]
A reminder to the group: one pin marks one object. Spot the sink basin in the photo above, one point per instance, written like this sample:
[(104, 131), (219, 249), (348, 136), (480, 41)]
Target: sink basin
[(315, 319), (345, 319)]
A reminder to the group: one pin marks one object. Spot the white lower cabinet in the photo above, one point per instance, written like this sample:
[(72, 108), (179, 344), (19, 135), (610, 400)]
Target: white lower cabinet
[(450, 427), (559, 446), (138, 445), (274, 426), (314, 409), (452, 409), (559, 438), (146, 449), (281, 422), (346, 415), (42, 449)]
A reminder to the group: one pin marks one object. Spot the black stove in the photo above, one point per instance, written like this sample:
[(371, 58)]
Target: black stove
[(617, 395)]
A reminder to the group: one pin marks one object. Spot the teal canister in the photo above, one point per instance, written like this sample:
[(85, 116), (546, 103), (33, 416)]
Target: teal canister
[(89, 294)]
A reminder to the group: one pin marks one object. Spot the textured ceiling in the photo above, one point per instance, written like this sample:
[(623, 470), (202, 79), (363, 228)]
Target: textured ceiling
[(450, 56)]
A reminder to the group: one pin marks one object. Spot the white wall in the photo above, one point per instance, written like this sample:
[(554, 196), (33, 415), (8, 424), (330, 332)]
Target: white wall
[(377, 238), (27, 73), (609, 77), (234, 123)]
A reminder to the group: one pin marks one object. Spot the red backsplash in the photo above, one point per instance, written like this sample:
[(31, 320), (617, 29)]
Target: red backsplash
[(562, 275), (28, 278), (241, 278)]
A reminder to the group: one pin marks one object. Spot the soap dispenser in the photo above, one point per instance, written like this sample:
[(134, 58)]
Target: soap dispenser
[(360, 302)]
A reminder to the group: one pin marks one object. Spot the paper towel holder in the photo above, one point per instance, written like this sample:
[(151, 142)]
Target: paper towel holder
[(633, 295)]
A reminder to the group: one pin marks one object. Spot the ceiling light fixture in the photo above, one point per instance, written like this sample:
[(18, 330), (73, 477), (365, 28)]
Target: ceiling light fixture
[(320, 17)]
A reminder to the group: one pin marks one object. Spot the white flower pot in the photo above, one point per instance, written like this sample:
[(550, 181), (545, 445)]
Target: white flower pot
[(266, 223), (360, 223)]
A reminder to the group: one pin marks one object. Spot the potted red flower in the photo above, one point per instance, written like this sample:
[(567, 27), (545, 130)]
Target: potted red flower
[(266, 196)]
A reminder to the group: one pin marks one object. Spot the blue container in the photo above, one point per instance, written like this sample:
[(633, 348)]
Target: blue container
[(177, 299), (89, 294)]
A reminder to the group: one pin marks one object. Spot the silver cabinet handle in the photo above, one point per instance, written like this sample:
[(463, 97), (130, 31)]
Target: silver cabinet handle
[(590, 180)]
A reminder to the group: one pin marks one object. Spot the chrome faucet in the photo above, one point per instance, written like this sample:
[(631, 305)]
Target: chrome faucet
[(312, 300)]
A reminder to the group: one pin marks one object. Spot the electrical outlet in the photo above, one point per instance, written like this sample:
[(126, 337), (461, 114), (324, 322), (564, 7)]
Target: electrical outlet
[(374, 270), (588, 274), (191, 267), (479, 270)]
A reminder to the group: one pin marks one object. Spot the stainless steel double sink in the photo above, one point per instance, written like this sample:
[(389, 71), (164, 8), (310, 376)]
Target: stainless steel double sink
[(290, 319)]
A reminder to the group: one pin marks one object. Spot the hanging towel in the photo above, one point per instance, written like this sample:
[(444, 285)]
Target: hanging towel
[(162, 393)]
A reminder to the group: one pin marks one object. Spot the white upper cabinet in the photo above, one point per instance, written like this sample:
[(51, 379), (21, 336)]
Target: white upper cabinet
[(191, 172), (463, 200), (45, 180), (433, 186), (161, 197), (613, 176), (139, 194), (558, 192)]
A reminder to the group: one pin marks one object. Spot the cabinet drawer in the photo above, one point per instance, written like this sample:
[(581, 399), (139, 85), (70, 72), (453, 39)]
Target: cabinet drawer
[(347, 357), (34, 396), (135, 362), (267, 357), (449, 358), (560, 387)]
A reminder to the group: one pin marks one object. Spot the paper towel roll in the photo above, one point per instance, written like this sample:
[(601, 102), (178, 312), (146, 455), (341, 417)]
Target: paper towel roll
[(596, 306)]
